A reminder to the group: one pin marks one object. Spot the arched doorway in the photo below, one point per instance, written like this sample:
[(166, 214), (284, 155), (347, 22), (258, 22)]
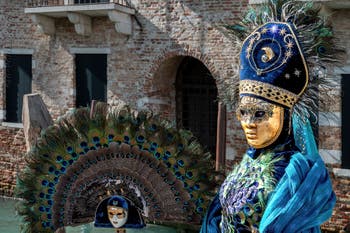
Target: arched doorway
[(196, 101)]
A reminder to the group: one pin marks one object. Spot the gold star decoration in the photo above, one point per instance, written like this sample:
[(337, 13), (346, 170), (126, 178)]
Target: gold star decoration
[(264, 30), (283, 31), (297, 72), (248, 49), (287, 76), (290, 44), (288, 54)]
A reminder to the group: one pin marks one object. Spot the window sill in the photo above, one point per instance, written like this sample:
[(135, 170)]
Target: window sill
[(341, 172), (12, 125)]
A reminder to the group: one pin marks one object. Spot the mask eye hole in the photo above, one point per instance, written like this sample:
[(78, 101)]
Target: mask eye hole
[(243, 112), (259, 114)]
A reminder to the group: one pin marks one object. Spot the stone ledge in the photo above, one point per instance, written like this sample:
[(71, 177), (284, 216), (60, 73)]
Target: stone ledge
[(75, 50), (12, 125), (15, 51), (329, 119), (81, 16), (90, 9), (341, 172), (331, 156)]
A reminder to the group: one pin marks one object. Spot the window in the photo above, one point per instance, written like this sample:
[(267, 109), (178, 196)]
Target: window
[(91, 78), (345, 83), (18, 83), (196, 96)]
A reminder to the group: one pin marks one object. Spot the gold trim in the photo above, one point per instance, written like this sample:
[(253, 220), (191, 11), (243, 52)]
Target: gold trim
[(268, 91)]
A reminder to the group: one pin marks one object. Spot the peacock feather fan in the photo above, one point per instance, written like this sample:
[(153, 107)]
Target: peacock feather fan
[(90, 154)]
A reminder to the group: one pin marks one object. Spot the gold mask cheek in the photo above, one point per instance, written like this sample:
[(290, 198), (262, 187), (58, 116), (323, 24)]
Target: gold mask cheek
[(262, 133)]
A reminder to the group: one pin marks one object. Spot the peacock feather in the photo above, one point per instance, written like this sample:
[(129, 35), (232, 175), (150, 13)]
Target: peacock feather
[(90, 154), (244, 193)]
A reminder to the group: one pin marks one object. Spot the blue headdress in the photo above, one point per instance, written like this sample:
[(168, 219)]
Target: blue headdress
[(272, 65), (284, 48)]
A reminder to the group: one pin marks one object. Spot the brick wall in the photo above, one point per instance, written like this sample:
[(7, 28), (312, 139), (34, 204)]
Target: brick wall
[(142, 69), (12, 149), (341, 213)]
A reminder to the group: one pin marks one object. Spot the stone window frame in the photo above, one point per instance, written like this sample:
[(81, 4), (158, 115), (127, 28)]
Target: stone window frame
[(341, 172), (3, 53)]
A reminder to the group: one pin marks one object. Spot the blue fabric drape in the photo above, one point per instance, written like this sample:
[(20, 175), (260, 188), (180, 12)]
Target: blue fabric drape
[(211, 221), (303, 199)]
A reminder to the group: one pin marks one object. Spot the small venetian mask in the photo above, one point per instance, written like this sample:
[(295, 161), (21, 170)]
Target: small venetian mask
[(261, 121), (117, 216)]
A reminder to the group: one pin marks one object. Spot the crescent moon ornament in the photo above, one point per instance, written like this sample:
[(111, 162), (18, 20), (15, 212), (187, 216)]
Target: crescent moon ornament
[(269, 54)]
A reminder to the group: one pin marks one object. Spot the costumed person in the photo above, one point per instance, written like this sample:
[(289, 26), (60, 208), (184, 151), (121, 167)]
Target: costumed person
[(281, 184), (118, 212)]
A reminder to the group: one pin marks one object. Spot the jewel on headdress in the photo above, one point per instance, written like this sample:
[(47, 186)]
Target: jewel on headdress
[(274, 28), (115, 203)]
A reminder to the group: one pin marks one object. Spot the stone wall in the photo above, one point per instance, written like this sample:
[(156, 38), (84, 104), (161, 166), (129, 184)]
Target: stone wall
[(142, 70)]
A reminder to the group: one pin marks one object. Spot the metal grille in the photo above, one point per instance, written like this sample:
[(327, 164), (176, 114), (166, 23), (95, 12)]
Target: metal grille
[(44, 3), (197, 107), (345, 83)]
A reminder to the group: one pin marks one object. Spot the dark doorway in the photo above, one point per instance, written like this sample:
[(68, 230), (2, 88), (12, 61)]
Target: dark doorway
[(196, 104), (91, 78), (345, 83), (18, 83)]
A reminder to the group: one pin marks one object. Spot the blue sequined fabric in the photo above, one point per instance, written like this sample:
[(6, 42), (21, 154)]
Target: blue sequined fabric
[(244, 193)]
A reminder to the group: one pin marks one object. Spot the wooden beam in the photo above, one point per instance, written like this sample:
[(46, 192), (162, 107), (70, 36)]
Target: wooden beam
[(221, 137)]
